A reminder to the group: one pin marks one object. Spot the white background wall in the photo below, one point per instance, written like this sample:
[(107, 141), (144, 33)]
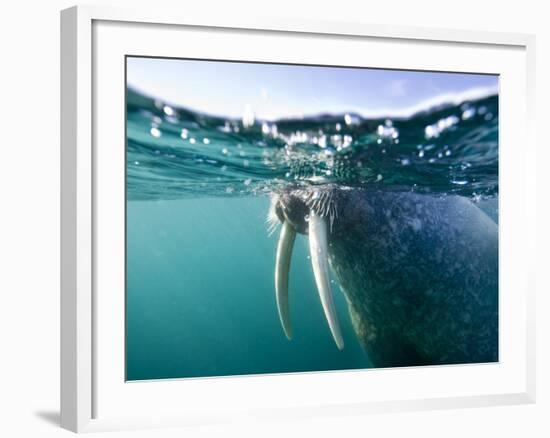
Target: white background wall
[(29, 215)]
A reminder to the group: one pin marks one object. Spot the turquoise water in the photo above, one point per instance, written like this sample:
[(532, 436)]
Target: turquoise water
[(200, 261), (201, 299)]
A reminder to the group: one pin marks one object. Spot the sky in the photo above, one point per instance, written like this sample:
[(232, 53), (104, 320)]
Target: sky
[(273, 91)]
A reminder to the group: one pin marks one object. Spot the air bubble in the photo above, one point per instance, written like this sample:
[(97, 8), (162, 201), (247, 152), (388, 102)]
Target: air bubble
[(168, 110)]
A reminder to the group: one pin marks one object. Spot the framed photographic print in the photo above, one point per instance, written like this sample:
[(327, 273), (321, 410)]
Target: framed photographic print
[(263, 208)]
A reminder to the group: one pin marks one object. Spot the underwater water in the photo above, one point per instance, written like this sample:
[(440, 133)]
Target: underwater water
[(200, 257)]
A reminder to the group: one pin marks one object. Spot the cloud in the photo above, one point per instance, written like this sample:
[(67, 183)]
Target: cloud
[(397, 88), (405, 112), (432, 102)]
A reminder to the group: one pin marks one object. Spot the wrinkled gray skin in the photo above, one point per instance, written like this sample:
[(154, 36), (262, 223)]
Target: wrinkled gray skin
[(420, 274)]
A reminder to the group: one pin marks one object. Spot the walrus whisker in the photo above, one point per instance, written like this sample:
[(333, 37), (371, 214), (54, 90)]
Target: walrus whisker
[(272, 221), (282, 268), (318, 248)]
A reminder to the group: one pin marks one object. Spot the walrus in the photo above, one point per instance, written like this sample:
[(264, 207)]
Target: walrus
[(419, 271)]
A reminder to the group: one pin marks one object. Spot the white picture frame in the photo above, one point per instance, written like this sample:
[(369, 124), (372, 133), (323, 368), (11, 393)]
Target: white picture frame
[(84, 377)]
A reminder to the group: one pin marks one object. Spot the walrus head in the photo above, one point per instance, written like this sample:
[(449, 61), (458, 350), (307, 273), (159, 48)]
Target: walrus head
[(419, 271), (311, 212)]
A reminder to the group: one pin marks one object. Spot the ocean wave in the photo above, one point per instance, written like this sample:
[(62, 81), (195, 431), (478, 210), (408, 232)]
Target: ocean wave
[(448, 144)]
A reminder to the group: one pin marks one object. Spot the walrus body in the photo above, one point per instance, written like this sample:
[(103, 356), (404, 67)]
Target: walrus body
[(420, 274)]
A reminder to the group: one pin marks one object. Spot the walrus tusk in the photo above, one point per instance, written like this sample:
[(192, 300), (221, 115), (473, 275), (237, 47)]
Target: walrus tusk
[(318, 249), (282, 267)]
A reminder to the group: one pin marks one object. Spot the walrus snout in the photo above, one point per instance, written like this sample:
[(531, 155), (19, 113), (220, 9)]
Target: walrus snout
[(292, 209), (295, 205)]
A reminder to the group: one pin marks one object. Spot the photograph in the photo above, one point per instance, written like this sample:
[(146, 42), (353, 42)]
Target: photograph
[(292, 218)]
